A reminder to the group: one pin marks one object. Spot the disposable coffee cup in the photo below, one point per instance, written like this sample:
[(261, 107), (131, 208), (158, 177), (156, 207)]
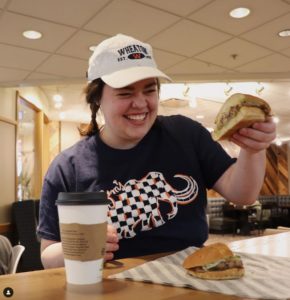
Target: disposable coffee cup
[(83, 231)]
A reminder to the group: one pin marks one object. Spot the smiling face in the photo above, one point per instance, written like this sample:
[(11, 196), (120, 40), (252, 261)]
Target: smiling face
[(129, 113)]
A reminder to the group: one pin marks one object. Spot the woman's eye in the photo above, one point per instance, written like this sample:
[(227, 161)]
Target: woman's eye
[(125, 94), (150, 91)]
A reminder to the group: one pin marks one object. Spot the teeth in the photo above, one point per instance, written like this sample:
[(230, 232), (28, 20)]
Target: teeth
[(137, 117)]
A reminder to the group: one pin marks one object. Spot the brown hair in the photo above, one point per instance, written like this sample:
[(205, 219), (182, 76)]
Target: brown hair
[(94, 92)]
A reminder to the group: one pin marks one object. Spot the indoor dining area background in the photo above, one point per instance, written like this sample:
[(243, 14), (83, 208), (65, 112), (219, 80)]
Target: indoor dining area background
[(208, 54)]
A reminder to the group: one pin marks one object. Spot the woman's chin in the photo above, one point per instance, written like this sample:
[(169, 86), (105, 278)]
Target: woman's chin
[(137, 134)]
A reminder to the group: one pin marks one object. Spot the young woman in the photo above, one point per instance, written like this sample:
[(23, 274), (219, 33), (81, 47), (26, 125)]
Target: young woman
[(155, 169)]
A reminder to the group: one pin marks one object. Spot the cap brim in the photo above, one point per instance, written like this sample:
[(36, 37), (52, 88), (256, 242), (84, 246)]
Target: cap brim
[(128, 76)]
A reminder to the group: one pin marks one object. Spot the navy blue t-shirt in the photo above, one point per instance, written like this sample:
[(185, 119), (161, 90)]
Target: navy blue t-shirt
[(157, 189)]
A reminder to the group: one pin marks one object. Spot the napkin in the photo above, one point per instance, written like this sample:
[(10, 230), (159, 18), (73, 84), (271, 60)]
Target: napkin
[(266, 277)]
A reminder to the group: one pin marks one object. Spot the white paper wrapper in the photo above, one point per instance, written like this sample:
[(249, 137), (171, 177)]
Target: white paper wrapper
[(266, 277)]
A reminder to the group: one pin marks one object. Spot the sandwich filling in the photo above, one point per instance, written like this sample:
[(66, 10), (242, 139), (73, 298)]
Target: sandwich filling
[(220, 265), (233, 111)]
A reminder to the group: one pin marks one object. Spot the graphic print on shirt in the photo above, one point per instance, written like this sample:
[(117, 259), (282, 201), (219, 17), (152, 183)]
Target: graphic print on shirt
[(137, 202)]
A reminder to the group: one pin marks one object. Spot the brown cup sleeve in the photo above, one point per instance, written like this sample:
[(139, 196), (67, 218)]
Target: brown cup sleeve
[(83, 242)]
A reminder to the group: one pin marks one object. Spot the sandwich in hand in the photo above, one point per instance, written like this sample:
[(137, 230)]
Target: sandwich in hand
[(214, 262), (239, 111)]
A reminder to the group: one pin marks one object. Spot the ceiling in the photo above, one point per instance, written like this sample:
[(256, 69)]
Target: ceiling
[(193, 41)]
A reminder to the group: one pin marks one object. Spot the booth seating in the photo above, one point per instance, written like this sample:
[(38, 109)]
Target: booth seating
[(25, 221), (278, 210), (269, 212)]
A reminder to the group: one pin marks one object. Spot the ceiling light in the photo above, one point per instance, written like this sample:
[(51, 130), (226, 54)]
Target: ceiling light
[(174, 91), (284, 33), (62, 115), (32, 34), (186, 90), (260, 88), (276, 120), (57, 98), (176, 95), (278, 142), (240, 12), (228, 89), (199, 116)]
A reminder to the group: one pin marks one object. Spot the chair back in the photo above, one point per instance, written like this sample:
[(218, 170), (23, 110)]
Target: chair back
[(17, 252)]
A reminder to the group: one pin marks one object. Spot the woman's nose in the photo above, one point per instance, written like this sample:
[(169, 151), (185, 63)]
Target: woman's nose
[(139, 101)]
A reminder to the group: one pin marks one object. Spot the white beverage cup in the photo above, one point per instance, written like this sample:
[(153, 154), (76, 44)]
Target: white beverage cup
[(83, 231)]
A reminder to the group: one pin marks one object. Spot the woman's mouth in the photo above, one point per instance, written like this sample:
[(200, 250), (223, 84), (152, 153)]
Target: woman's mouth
[(137, 117)]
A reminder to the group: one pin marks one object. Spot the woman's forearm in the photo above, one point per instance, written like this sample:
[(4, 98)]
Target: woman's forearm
[(52, 256), (247, 177), (242, 182)]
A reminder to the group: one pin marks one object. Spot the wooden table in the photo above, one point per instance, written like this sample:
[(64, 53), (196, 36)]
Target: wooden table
[(51, 285), (275, 244)]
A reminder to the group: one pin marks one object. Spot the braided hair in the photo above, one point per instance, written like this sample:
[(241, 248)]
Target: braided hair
[(93, 92)]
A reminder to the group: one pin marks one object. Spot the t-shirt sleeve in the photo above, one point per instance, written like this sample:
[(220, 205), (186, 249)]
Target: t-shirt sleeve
[(48, 227), (214, 160), (59, 178)]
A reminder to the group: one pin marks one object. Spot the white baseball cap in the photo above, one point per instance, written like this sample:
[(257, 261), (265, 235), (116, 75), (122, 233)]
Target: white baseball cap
[(122, 60)]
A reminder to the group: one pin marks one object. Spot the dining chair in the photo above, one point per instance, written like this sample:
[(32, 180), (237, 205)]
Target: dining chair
[(265, 216), (17, 252), (217, 220)]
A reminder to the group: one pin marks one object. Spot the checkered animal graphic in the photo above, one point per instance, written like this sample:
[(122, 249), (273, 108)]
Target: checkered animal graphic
[(137, 202)]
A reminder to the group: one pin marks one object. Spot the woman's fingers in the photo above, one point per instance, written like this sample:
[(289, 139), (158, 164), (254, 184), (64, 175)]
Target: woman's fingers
[(111, 242), (112, 235), (109, 256), (256, 138)]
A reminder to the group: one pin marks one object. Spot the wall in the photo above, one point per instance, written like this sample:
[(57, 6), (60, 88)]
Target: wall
[(277, 180), (282, 169), (7, 153), (8, 125), (8, 103), (53, 140), (69, 134), (277, 171), (36, 96), (56, 139)]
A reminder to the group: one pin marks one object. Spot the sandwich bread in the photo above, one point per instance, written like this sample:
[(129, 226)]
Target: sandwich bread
[(239, 111), (214, 262)]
